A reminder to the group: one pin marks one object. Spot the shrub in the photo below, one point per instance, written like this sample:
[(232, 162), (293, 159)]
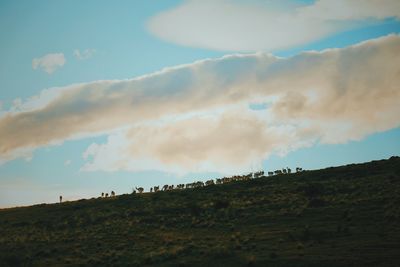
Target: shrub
[(273, 255), (305, 236), (251, 260), (12, 260), (194, 208), (312, 190), (316, 203), (300, 246), (221, 204)]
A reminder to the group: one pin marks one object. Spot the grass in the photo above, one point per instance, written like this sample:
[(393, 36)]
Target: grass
[(343, 216)]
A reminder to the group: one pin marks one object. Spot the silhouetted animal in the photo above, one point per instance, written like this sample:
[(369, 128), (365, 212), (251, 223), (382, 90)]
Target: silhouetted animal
[(198, 184), (226, 180), (246, 177), (270, 173), (140, 189), (180, 186), (210, 182), (112, 193), (106, 194), (258, 174), (156, 188)]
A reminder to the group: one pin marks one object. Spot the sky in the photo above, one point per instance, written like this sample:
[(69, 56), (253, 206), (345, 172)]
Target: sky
[(108, 95)]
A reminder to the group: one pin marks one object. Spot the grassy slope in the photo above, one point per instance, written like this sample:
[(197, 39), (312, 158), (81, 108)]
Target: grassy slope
[(344, 216)]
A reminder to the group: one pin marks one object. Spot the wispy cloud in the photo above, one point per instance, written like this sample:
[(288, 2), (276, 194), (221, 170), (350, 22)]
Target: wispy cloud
[(84, 54), (182, 118), (264, 25), (49, 63)]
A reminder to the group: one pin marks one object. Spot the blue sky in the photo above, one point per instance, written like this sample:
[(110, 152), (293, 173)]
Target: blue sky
[(127, 39)]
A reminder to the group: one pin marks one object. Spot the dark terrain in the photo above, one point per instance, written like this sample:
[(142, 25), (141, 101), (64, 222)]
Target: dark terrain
[(343, 216)]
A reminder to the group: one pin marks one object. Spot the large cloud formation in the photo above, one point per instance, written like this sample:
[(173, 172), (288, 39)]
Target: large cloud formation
[(195, 117), (238, 25)]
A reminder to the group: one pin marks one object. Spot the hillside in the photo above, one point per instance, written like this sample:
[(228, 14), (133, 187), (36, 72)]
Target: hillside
[(342, 216)]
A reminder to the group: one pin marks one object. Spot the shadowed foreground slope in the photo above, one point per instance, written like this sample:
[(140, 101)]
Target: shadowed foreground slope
[(344, 216)]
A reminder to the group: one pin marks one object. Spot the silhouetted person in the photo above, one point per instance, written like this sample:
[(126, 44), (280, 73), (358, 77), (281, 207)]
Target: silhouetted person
[(60, 199)]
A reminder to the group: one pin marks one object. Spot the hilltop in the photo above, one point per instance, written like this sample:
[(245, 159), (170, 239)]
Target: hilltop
[(342, 216)]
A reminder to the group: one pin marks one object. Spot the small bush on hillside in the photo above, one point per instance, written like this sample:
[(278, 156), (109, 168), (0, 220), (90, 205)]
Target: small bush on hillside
[(221, 204), (273, 255), (316, 203), (194, 208), (312, 190)]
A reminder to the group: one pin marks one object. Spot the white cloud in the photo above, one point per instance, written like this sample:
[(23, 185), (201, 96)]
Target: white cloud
[(49, 63), (85, 54), (232, 142), (179, 119), (25, 153), (268, 26), (352, 9)]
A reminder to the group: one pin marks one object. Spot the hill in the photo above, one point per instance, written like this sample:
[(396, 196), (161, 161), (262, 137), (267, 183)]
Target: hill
[(342, 216)]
